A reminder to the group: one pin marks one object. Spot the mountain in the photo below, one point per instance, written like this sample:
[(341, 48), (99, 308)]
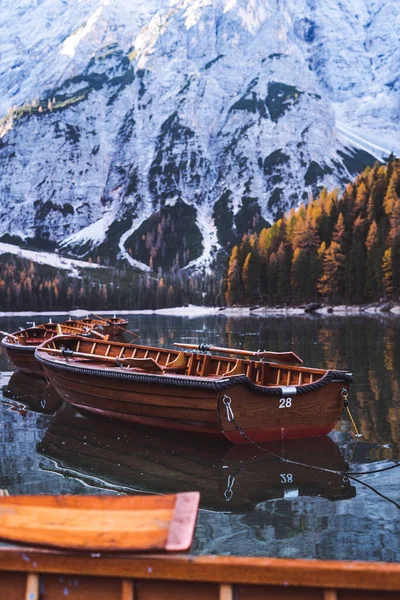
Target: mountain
[(159, 133)]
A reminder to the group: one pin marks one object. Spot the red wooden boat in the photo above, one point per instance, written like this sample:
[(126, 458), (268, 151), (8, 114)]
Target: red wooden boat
[(239, 398), (114, 327)]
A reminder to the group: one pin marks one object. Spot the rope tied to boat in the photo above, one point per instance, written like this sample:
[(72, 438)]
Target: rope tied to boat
[(345, 395)]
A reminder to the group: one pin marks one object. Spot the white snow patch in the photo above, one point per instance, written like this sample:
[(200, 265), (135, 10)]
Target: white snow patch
[(352, 137), (229, 5), (95, 233), (193, 11), (48, 258), (272, 310), (146, 40), (124, 253), (187, 311), (207, 228), (72, 42)]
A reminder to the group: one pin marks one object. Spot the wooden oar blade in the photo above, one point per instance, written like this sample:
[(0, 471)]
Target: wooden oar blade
[(101, 523), (284, 357)]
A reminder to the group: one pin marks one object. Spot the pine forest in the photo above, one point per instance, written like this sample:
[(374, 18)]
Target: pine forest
[(338, 248)]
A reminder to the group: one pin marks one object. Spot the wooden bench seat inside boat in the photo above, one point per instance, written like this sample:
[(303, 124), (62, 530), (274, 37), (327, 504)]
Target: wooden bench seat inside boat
[(262, 373)]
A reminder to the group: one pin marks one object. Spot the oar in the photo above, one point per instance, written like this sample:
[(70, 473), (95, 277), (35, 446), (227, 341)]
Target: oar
[(285, 357), (59, 331), (117, 326), (11, 336), (143, 363)]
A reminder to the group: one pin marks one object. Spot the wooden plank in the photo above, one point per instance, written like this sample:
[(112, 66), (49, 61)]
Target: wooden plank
[(176, 590), (225, 592), (79, 587), (32, 587), (12, 585), (328, 575), (101, 523), (127, 590)]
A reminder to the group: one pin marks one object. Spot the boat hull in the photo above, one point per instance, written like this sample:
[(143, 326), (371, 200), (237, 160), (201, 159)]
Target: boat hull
[(183, 403), (23, 358)]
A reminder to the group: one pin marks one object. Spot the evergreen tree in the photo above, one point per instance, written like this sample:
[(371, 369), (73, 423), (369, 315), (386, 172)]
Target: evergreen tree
[(387, 269), (373, 277), (272, 276), (354, 278), (331, 282), (234, 284), (284, 264), (305, 265), (250, 277)]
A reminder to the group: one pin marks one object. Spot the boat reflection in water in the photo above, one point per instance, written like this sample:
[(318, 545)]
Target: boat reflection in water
[(135, 458), (32, 392)]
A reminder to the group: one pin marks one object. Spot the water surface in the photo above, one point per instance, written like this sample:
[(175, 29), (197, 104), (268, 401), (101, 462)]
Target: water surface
[(251, 504)]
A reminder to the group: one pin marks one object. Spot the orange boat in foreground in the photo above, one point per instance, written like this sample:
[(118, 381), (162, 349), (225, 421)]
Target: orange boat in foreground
[(101, 523), (242, 399)]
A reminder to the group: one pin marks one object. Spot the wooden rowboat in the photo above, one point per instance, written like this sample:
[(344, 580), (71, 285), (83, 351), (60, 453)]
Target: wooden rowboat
[(114, 327), (195, 391), (21, 345)]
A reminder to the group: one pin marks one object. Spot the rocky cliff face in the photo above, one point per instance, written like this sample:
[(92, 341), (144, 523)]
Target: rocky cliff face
[(160, 132)]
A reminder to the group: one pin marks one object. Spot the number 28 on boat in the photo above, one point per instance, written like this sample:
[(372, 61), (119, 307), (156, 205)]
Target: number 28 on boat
[(245, 396)]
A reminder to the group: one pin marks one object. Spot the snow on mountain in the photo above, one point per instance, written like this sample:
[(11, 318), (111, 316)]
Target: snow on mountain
[(71, 265), (160, 132)]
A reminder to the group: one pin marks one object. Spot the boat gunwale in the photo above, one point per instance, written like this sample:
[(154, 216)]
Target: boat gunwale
[(49, 334), (188, 353), (231, 570), (14, 346), (18, 347), (181, 380)]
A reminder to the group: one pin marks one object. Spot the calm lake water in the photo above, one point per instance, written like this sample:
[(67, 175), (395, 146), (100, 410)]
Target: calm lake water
[(250, 505)]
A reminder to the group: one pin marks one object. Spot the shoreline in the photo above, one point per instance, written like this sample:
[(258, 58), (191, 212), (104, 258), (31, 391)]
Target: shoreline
[(238, 311)]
